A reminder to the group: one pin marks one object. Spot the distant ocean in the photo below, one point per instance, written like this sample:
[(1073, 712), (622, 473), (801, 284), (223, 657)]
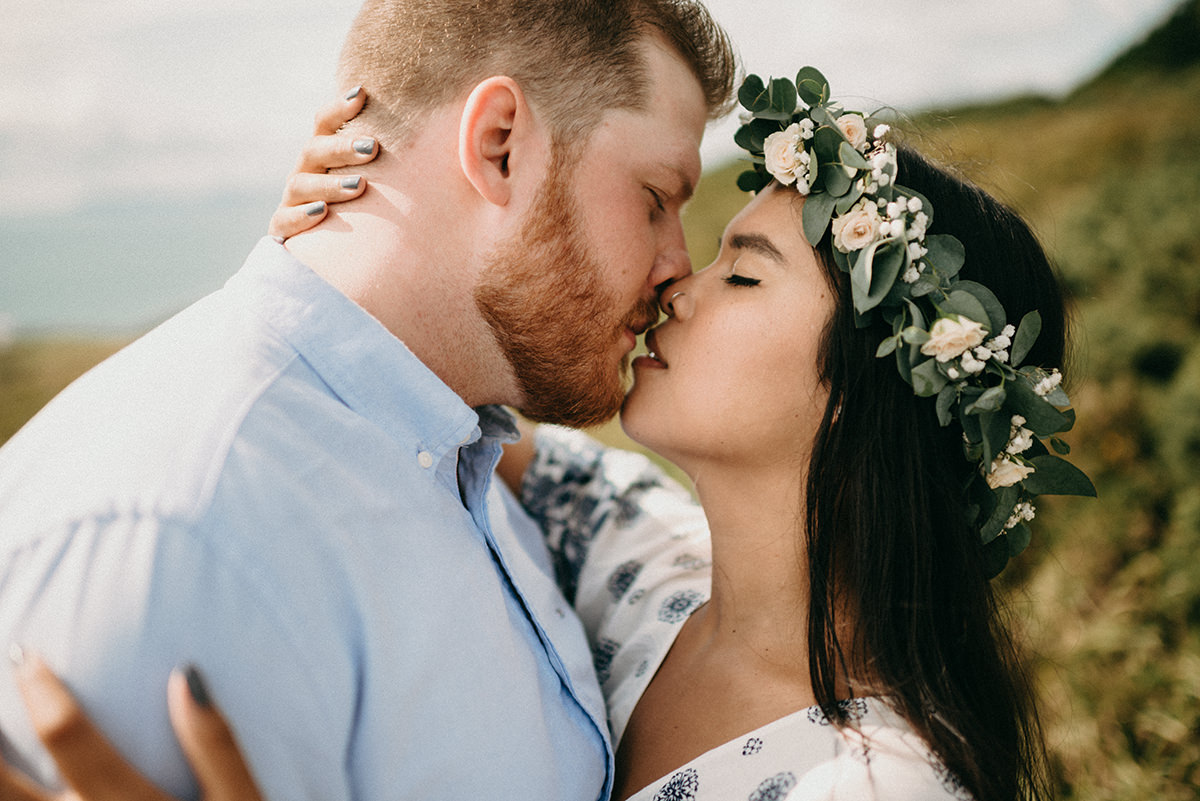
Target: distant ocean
[(121, 268)]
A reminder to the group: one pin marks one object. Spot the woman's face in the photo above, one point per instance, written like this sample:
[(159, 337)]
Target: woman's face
[(732, 375)]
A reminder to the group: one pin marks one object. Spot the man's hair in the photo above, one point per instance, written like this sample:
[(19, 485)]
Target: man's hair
[(574, 59)]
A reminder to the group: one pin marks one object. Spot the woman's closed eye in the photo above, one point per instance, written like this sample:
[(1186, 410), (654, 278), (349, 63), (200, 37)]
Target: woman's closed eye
[(733, 279)]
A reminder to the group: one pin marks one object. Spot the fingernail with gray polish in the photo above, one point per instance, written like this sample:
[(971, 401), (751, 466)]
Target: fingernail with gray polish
[(364, 146), (315, 208), (353, 93), (196, 687), (351, 182)]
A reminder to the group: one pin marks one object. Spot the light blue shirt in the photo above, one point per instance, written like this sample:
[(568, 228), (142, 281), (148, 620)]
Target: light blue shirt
[(271, 486)]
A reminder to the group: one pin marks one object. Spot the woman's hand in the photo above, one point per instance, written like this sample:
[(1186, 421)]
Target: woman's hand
[(309, 188), (94, 771)]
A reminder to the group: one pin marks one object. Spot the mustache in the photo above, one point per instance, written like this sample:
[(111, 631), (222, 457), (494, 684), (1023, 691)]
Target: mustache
[(643, 315)]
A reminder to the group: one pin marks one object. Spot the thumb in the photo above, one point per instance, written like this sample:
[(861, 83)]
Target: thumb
[(207, 741)]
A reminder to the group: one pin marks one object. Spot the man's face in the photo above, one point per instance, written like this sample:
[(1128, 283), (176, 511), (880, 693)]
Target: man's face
[(568, 296)]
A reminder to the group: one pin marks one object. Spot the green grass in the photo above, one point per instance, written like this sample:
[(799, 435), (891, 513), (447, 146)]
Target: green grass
[(1108, 596)]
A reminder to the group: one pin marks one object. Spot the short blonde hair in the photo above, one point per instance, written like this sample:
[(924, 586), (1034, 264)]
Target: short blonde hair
[(573, 58)]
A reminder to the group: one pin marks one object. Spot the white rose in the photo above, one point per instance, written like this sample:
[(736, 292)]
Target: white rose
[(854, 129), (857, 228), (782, 155), (950, 337), (1005, 473)]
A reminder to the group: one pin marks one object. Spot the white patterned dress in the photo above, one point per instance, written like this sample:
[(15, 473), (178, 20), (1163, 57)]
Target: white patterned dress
[(631, 549)]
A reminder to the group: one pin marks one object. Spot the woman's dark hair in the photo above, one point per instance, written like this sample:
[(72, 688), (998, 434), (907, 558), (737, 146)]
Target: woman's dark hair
[(901, 605)]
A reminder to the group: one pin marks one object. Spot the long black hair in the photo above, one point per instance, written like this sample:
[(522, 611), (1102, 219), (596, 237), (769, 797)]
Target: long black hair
[(901, 605)]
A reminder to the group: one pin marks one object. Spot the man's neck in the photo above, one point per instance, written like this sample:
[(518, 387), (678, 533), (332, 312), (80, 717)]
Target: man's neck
[(391, 253)]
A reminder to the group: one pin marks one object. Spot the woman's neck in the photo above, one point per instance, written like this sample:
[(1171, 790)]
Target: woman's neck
[(760, 573)]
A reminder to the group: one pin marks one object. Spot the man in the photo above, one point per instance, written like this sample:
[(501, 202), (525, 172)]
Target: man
[(290, 483)]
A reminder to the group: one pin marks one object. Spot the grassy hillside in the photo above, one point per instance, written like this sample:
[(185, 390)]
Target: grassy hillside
[(1108, 595)]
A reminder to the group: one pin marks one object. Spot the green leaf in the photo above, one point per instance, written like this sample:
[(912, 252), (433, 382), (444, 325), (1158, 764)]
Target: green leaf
[(851, 157), (923, 287), (887, 346), (996, 318), (946, 254), (1027, 334), (914, 335), (1040, 417), (1006, 501), (927, 380), (945, 404), (817, 211), (874, 272), (782, 95), (989, 401), (846, 201), (1054, 476), (995, 427), (1018, 539), (752, 181), (1060, 446), (812, 86), (965, 304), (753, 94)]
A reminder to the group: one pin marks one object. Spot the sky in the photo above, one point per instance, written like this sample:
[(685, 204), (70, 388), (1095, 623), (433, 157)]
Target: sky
[(102, 100)]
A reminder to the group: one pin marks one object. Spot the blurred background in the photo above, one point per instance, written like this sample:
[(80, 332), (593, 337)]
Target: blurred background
[(143, 146)]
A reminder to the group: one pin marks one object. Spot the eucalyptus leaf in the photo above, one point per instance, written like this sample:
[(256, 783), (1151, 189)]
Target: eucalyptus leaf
[(753, 94), (812, 86), (752, 181), (915, 336), (1054, 476), (922, 287), (995, 427), (1040, 416), (886, 347), (964, 304), (826, 142), (927, 380), (846, 201), (834, 178), (945, 404), (996, 317), (1060, 446), (874, 272), (1006, 501), (946, 254), (1018, 539), (817, 211), (782, 95), (851, 157), (990, 401), (839, 258), (1027, 334)]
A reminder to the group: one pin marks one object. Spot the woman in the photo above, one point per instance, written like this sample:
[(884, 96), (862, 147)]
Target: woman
[(863, 427)]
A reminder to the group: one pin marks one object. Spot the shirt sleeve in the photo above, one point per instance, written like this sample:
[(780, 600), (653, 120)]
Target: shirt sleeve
[(607, 514)]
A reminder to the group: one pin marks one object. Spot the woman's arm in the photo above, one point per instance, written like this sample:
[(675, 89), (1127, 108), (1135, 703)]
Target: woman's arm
[(92, 768)]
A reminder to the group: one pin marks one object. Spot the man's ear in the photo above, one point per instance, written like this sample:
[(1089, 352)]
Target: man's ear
[(496, 132)]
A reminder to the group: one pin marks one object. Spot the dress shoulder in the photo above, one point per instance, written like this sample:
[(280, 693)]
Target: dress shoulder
[(884, 763)]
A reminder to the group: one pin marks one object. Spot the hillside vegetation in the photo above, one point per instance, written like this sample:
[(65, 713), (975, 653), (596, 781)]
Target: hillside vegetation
[(1108, 594)]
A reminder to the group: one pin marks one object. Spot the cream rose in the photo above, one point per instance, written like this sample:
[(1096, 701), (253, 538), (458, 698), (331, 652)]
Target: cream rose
[(854, 129), (1005, 473), (857, 228), (950, 337), (782, 154)]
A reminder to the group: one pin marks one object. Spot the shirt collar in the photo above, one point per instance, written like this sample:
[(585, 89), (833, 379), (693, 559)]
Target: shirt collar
[(364, 364)]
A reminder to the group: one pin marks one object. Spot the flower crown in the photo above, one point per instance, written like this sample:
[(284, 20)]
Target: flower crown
[(950, 338)]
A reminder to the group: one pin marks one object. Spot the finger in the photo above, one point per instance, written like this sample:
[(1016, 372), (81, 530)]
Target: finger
[(339, 112), (207, 742), (87, 762), (291, 220), (323, 153), (306, 187), (15, 787)]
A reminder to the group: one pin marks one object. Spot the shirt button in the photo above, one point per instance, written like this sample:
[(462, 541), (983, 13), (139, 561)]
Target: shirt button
[(425, 459)]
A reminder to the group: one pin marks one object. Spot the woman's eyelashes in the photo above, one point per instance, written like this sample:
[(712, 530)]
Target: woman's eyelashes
[(658, 207), (733, 279)]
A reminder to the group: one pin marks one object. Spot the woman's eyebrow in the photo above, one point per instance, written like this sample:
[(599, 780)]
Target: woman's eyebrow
[(759, 243)]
